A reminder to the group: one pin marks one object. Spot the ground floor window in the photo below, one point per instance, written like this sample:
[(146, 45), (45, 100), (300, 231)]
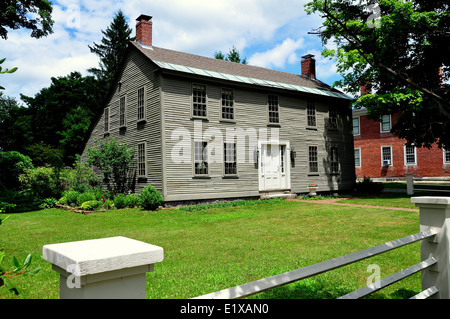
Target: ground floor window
[(230, 163), (357, 157), (446, 156), (142, 162), (313, 160), (200, 158), (386, 155), (334, 161), (410, 155)]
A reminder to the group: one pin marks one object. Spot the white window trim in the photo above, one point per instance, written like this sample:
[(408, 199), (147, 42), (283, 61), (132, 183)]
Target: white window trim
[(392, 156), (381, 124), (360, 159), (312, 103), (145, 160), (359, 125), (278, 109), (144, 118), (207, 102), (443, 153), (235, 159), (308, 162), (221, 105), (203, 154), (415, 155)]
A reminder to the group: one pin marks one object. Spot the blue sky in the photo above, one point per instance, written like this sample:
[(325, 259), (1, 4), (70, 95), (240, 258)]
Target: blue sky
[(271, 34)]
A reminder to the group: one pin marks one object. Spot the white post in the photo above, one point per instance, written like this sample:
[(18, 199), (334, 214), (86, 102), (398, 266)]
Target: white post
[(435, 214), (108, 268), (409, 183)]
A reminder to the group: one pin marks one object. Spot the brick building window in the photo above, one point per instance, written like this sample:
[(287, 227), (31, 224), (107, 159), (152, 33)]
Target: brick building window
[(357, 157), (356, 126), (446, 156), (386, 155), (386, 123), (410, 155)]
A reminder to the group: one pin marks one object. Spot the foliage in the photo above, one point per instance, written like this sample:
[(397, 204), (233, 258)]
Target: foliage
[(80, 177), (120, 201), (91, 205), (42, 182), (85, 197), (367, 186), (12, 165), (232, 56), (3, 71), (108, 204), (7, 208), (71, 197), (34, 15), (150, 198), (132, 200), (111, 50), (237, 203), (114, 160), (48, 203), (400, 50)]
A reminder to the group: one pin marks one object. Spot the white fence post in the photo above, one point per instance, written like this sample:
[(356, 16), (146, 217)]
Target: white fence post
[(409, 183), (108, 268), (435, 214)]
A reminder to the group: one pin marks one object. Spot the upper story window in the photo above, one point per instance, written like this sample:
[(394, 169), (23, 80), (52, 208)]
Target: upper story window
[(122, 112), (311, 113), (332, 118), (227, 104), (356, 126), (386, 123), (106, 120), (141, 104), (410, 155), (274, 110), (199, 100)]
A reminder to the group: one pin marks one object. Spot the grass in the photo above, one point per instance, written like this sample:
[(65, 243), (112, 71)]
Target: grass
[(213, 249)]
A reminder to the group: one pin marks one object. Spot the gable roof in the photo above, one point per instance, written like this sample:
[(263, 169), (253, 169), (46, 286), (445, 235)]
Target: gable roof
[(237, 72)]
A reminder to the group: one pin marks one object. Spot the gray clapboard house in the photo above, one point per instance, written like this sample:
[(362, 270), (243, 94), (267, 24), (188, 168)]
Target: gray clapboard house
[(208, 129)]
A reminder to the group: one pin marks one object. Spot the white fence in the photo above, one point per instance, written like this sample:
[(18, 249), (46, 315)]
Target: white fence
[(117, 272), (411, 188)]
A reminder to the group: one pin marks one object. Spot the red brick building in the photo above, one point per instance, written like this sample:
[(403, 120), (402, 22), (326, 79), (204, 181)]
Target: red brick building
[(380, 154)]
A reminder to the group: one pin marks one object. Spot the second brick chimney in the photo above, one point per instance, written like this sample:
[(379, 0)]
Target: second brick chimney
[(309, 66), (144, 30)]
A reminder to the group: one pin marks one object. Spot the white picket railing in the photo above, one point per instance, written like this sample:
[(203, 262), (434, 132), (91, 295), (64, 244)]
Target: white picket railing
[(119, 267), (411, 188)]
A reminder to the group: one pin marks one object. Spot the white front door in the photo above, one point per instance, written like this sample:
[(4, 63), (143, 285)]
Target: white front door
[(274, 166)]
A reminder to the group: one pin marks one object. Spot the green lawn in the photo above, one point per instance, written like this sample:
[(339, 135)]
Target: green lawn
[(209, 250)]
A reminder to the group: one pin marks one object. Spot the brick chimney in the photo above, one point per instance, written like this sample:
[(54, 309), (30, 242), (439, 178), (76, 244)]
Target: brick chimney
[(144, 28), (309, 66)]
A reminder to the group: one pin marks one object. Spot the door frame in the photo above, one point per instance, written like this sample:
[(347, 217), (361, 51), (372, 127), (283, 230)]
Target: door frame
[(284, 176)]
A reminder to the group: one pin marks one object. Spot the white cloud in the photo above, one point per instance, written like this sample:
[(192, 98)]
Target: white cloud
[(278, 56)]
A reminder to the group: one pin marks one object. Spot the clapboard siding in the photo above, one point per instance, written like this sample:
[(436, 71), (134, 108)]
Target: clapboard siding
[(251, 114), (137, 73)]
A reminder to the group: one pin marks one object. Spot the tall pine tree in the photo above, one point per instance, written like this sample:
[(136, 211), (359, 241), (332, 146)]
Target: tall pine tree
[(111, 50)]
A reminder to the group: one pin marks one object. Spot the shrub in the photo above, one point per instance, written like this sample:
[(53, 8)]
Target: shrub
[(85, 197), (7, 208), (132, 200), (81, 177), (41, 181), (12, 165), (108, 204), (91, 205), (63, 200), (150, 198), (369, 187), (48, 203), (71, 197), (120, 201)]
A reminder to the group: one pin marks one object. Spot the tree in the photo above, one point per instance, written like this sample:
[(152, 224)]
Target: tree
[(400, 49), (232, 56), (34, 15), (111, 50)]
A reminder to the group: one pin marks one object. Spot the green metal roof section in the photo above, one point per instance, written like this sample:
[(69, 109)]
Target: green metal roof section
[(253, 81)]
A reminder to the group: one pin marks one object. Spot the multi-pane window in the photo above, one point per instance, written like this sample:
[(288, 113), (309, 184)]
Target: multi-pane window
[(283, 158), (122, 112), (357, 157), (446, 156), (313, 159), (227, 104), (410, 154), (386, 123), (332, 117), (356, 126), (141, 104), (141, 162), (386, 155), (230, 163), (311, 113), (334, 161), (274, 110), (200, 158), (199, 100), (106, 120)]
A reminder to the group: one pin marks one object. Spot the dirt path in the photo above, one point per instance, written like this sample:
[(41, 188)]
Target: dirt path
[(333, 201)]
